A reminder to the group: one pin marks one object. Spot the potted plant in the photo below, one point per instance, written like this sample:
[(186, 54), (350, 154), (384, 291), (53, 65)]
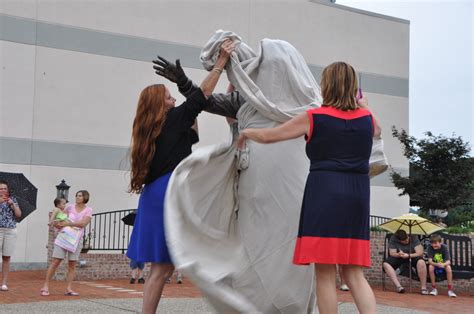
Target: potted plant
[(86, 243)]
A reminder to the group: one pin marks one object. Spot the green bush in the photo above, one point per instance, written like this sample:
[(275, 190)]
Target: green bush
[(461, 215), (460, 229)]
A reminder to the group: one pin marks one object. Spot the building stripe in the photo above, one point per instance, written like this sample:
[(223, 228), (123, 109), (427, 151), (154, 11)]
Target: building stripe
[(32, 32), (58, 154), (374, 83), (17, 29), (91, 156)]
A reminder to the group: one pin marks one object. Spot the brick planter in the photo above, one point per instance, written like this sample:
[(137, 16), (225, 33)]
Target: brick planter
[(116, 266)]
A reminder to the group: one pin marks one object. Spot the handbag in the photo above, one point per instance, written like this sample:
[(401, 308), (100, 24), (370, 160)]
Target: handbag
[(129, 220), (68, 238), (378, 161)]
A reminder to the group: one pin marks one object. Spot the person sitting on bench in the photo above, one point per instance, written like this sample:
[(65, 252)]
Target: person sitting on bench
[(401, 248), (439, 261)]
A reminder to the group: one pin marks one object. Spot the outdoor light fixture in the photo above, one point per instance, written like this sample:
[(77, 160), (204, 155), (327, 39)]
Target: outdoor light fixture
[(63, 190)]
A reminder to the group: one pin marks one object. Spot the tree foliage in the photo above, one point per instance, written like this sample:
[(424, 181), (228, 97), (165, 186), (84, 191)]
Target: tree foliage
[(441, 171)]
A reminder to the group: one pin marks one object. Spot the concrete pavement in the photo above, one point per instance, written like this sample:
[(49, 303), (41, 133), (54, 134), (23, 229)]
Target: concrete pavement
[(167, 305)]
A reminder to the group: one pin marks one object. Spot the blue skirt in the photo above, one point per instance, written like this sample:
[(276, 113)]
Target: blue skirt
[(148, 243)]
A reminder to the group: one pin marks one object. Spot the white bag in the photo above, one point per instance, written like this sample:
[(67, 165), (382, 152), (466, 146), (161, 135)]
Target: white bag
[(378, 161)]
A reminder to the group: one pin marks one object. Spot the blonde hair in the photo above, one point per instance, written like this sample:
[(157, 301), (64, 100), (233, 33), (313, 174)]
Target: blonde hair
[(339, 86)]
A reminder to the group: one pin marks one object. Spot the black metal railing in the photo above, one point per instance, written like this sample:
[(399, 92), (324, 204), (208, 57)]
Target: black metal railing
[(377, 220), (107, 232)]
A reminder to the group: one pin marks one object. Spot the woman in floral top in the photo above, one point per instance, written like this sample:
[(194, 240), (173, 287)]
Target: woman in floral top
[(9, 213)]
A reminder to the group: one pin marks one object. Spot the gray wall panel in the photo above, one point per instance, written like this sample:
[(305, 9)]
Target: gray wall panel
[(28, 266), (384, 178)]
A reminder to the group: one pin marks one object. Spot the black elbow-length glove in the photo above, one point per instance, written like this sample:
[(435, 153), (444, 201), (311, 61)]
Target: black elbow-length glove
[(174, 73)]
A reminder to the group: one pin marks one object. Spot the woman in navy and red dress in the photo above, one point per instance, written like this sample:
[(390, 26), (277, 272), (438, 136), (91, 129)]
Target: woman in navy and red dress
[(334, 221)]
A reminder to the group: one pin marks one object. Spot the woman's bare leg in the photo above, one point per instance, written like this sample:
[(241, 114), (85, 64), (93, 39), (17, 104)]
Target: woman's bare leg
[(326, 288), (71, 273), (360, 289), (51, 270), (154, 286), (5, 269)]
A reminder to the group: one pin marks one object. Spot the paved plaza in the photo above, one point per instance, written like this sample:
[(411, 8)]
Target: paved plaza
[(119, 296)]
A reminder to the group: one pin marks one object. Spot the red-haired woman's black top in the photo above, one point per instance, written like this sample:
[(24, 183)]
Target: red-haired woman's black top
[(176, 137)]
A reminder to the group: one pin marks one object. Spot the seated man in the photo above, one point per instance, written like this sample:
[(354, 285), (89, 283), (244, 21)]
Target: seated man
[(400, 249), (439, 260)]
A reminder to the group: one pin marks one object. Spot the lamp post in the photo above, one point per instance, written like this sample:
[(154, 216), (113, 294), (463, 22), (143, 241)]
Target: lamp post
[(63, 190)]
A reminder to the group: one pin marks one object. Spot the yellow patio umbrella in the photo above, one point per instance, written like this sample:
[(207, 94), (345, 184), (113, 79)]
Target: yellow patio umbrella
[(411, 224)]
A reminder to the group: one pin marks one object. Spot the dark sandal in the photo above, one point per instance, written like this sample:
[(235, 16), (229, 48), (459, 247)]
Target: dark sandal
[(400, 289), (71, 294)]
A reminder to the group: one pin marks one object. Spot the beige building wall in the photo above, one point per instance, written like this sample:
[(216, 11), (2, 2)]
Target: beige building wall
[(71, 72)]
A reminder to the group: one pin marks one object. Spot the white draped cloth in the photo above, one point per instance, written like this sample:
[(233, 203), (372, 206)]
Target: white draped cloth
[(231, 218)]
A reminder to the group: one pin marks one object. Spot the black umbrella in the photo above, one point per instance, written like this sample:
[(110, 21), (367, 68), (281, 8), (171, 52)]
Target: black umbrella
[(23, 190)]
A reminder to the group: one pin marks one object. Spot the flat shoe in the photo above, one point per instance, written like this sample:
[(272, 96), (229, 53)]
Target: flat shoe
[(4, 288), (71, 294)]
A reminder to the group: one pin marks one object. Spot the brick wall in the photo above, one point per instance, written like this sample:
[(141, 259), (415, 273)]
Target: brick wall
[(115, 266)]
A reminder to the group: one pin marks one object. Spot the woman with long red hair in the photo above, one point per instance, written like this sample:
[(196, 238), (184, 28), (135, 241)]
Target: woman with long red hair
[(162, 136)]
